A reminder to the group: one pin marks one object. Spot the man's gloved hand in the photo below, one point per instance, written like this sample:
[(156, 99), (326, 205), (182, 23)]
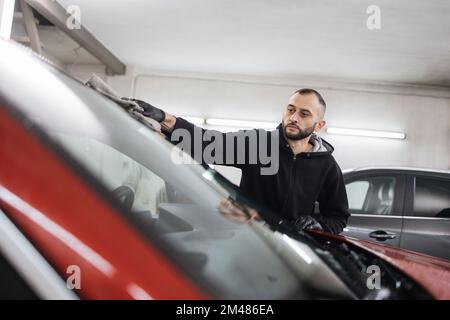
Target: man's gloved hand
[(149, 110), (307, 222)]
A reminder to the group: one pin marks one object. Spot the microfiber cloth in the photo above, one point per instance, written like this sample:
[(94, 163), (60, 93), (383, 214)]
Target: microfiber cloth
[(97, 83)]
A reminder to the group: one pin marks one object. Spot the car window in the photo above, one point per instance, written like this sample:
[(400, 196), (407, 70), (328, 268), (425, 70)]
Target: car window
[(356, 193), (372, 195), (432, 198)]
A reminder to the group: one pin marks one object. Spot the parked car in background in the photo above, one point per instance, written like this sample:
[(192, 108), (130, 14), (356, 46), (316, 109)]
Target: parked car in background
[(403, 207), (89, 193)]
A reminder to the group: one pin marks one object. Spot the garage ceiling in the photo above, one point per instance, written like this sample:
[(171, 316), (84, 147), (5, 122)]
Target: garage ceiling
[(277, 38)]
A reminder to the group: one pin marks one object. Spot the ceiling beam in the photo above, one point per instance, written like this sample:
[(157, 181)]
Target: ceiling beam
[(57, 15), (30, 26)]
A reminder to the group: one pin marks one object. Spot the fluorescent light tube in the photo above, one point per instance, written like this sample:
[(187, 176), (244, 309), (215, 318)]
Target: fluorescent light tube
[(194, 120), (367, 133)]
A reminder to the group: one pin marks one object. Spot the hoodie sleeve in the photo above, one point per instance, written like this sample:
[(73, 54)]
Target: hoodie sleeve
[(333, 201)]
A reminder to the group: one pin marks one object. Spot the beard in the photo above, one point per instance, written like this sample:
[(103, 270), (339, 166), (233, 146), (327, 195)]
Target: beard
[(301, 134)]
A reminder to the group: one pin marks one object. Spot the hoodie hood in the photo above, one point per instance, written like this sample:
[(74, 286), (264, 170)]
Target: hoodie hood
[(320, 145)]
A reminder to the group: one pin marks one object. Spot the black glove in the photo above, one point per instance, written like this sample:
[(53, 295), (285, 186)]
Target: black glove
[(307, 222), (149, 110)]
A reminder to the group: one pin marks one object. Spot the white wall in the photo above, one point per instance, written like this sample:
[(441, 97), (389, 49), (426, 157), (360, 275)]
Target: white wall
[(424, 119), (423, 113), (6, 18)]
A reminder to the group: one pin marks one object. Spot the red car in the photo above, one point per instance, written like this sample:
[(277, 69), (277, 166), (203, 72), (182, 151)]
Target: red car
[(92, 206)]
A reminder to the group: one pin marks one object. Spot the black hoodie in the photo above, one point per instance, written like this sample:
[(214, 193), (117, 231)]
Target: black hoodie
[(300, 181)]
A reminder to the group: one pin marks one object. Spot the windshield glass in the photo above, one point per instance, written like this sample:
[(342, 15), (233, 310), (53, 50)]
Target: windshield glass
[(188, 206)]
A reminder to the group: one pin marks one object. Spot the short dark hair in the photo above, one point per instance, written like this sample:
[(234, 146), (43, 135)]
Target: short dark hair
[(309, 91)]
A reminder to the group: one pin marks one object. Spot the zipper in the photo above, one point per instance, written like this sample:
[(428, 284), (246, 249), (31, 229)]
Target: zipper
[(291, 183)]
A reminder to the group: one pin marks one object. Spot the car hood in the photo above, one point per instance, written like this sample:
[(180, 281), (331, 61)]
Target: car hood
[(431, 273)]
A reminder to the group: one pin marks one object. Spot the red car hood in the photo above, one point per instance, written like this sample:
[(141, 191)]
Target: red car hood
[(431, 273)]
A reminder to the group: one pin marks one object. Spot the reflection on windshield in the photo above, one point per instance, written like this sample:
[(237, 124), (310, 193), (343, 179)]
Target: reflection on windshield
[(231, 210)]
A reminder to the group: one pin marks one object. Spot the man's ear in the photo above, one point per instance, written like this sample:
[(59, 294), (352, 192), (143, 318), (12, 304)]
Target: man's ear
[(320, 125)]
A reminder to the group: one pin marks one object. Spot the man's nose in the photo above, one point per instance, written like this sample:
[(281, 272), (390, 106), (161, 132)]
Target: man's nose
[(293, 117)]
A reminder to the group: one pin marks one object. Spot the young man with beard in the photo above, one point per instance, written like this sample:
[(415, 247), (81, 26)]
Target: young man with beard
[(307, 171)]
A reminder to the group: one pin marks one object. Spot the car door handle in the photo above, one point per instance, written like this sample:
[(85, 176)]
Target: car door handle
[(382, 235)]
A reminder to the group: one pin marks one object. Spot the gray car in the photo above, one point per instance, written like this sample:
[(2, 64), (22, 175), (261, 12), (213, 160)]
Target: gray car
[(399, 206)]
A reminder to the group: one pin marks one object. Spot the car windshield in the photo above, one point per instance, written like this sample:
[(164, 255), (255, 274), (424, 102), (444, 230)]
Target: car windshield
[(189, 206)]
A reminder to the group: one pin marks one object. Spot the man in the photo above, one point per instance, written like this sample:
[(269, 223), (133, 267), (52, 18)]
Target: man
[(307, 170)]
